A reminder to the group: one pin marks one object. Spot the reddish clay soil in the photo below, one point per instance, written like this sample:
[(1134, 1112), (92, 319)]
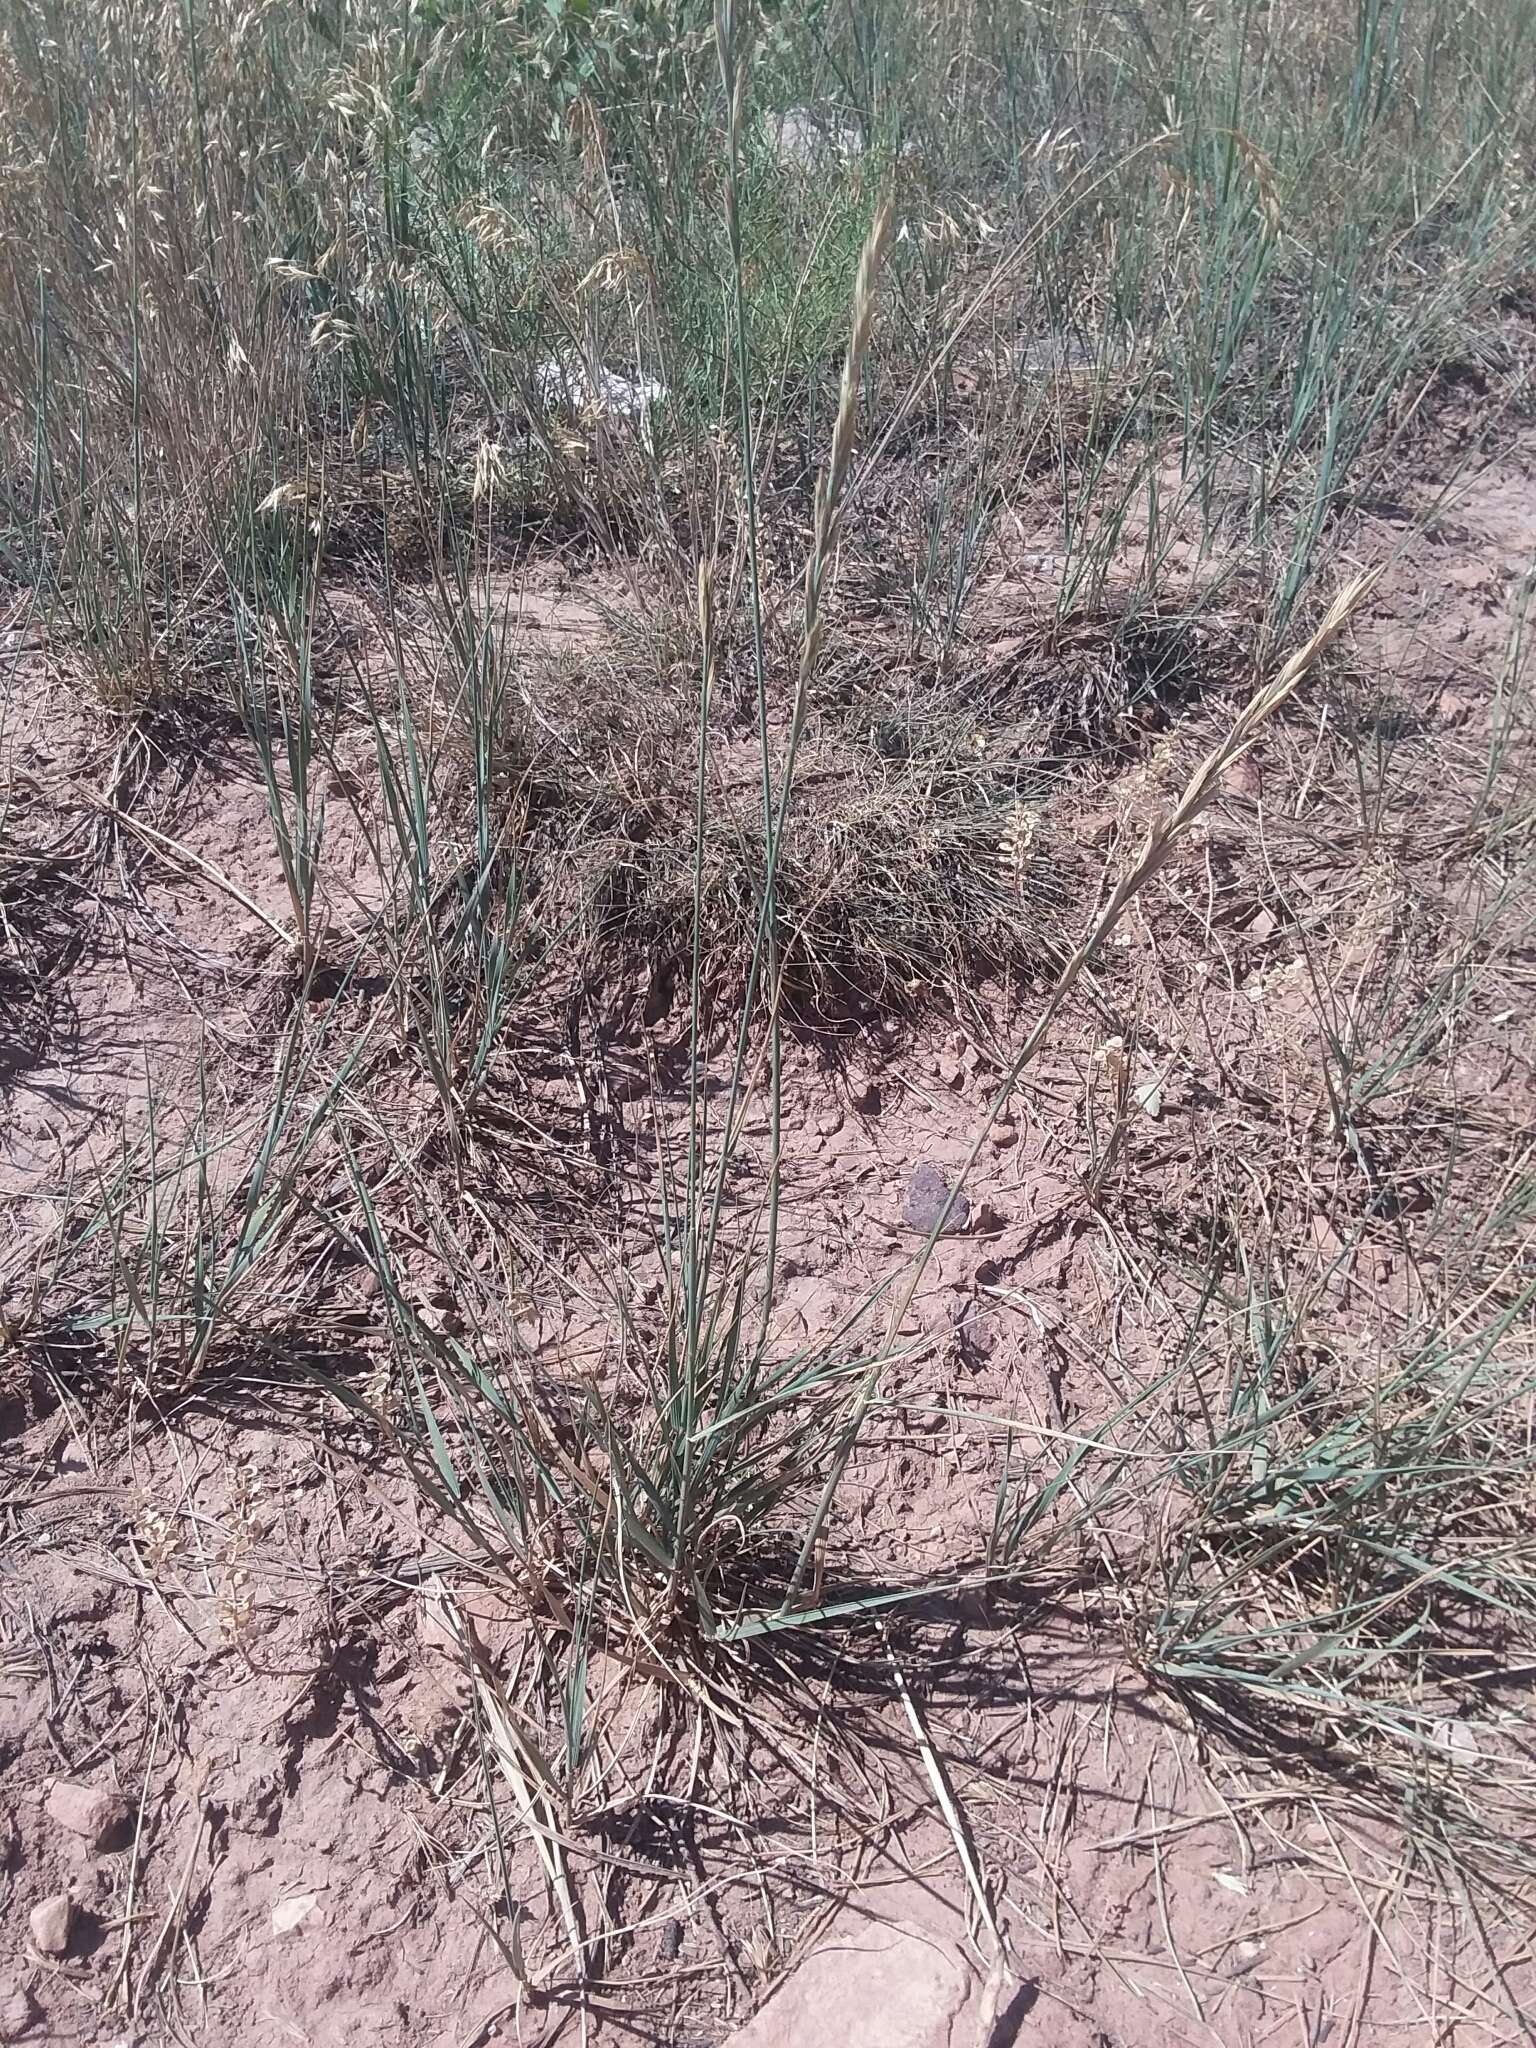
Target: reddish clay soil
[(220, 1605)]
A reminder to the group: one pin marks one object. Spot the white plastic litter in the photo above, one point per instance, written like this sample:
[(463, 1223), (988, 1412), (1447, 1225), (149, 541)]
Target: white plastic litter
[(572, 384), (799, 136), (292, 1912)]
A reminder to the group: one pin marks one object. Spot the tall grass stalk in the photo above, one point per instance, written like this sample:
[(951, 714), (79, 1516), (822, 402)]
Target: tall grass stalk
[(276, 588)]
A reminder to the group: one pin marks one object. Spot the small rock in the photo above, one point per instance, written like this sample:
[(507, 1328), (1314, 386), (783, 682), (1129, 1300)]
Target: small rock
[(1241, 777), (927, 1194), (52, 1922), (17, 2012), (100, 1816), (1004, 1135), (951, 1071), (829, 1123), (975, 1333), (875, 1985)]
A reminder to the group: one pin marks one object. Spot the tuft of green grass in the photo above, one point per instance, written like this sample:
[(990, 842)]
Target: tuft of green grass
[(1349, 1579), (180, 1257)]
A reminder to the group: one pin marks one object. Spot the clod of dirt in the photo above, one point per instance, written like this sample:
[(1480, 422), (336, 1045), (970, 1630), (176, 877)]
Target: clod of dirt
[(976, 1334), (52, 1922), (17, 2012), (95, 1812), (876, 1986), (927, 1194), (1453, 707)]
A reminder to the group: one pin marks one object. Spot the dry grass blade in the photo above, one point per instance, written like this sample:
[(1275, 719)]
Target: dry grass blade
[(172, 1925), (943, 1792), (832, 490), (521, 1766), (163, 843)]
